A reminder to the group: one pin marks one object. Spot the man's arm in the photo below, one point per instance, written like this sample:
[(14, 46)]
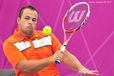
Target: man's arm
[(30, 66), (72, 62)]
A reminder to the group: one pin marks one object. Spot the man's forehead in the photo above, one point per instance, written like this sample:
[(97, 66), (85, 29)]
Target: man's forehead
[(29, 12)]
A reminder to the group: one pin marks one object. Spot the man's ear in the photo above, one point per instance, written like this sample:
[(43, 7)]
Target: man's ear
[(18, 20)]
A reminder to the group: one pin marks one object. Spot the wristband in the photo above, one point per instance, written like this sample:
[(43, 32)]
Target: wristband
[(50, 60)]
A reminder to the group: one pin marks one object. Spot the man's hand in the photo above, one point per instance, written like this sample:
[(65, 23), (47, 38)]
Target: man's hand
[(86, 71), (58, 55)]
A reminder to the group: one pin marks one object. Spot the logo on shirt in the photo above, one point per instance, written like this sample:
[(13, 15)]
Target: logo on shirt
[(45, 41)]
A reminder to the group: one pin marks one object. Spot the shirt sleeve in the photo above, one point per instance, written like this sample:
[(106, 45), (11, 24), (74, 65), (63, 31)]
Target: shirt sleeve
[(56, 45), (12, 53)]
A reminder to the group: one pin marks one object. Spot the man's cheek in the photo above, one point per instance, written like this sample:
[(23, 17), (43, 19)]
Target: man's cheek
[(34, 26)]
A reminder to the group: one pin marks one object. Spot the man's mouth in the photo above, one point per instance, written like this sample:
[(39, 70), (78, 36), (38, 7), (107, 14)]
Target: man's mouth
[(30, 27)]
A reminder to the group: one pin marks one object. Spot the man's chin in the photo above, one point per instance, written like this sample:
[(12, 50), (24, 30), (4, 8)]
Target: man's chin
[(29, 32)]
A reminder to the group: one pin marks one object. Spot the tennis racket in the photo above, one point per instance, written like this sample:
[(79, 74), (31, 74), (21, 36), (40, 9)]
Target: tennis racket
[(73, 20)]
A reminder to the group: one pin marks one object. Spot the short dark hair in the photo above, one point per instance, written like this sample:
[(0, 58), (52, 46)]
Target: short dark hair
[(30, 7)]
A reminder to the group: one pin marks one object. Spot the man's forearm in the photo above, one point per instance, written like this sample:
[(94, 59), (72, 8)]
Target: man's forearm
[(75, 63), (72, 62), (30, 66)]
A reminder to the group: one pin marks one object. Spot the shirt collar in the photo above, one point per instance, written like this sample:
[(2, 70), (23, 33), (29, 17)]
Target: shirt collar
[(20, 37)]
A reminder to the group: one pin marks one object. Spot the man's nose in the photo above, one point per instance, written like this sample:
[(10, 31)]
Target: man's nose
[(30, 21)]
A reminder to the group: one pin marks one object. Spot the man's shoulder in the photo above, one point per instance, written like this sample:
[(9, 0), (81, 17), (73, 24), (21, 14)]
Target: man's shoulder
[(39, 32), (10, 39), (42, 34)]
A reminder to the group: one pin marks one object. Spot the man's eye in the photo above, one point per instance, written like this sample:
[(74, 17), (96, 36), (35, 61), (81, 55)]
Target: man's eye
[(34, 20), (27, 18)]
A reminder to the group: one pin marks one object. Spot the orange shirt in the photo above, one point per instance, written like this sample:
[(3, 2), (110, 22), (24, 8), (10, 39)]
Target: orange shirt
[(39, 46)]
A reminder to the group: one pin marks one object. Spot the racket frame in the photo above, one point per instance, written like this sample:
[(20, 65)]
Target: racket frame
[(73, 31)]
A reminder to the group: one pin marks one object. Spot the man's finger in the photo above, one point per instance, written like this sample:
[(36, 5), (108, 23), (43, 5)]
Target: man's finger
[(93, 73)]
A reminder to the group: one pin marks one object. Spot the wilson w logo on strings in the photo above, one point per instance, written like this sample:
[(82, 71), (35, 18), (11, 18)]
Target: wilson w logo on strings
[(76, 16)]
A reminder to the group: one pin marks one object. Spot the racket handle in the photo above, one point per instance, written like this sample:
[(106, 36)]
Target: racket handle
[(57, 61), (62, 49)]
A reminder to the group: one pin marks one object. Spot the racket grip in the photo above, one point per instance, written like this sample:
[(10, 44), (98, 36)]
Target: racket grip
[(62, 49), (57, 61)]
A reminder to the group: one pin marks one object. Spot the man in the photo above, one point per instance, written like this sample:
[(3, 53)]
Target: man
[(32, 53)]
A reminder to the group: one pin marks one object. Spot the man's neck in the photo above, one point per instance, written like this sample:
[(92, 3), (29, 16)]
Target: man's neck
[(24, 34)]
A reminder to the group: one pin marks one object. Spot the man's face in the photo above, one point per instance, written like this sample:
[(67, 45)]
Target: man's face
[(28, 21)]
